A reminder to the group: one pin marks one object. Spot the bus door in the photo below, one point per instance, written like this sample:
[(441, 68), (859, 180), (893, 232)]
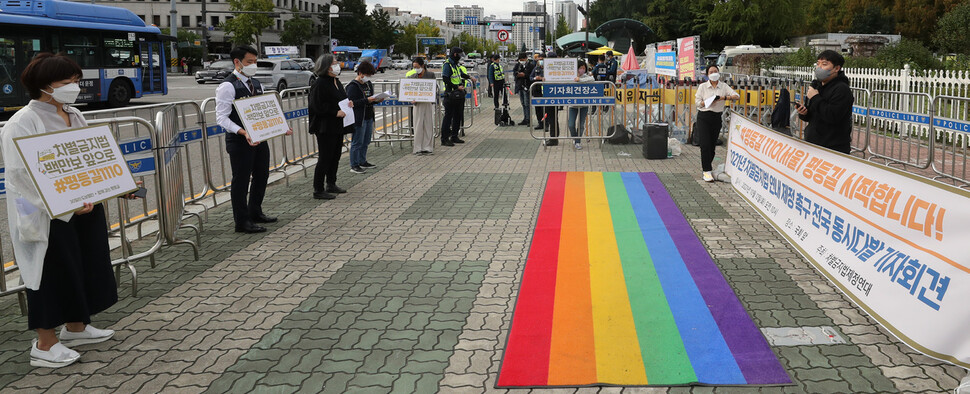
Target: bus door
[(152, 70), (15, 53)]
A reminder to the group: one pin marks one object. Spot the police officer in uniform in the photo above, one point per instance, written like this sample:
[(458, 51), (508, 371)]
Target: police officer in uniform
[(248, 159), (454, 75), (496, 80)]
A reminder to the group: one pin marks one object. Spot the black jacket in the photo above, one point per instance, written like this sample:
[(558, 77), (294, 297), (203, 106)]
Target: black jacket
[(358, 93), (830, 116), (325, 93), (779, 116), (522, 83)]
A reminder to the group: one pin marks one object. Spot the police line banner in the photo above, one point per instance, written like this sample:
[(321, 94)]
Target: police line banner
[(262, 116), (72, 167), (893, 242)]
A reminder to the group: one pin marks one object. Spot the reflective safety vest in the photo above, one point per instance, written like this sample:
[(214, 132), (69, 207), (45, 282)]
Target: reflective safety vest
[(410, 74), (497, 72), (456, 74)]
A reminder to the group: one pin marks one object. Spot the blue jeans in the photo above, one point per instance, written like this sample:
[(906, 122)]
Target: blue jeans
[(571, 121), (359, 141), (524, 100)]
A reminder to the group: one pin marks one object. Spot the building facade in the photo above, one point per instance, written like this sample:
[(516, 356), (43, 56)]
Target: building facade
[(527, 30), (472, 14), (569, 11)]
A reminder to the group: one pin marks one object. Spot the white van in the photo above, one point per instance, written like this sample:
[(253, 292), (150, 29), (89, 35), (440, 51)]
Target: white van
[(725, 62)]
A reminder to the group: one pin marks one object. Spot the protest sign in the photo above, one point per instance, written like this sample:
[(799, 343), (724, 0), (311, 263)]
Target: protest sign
[(666, 63), (72, 167), (686, 57), (559, 70), (262, 116), (893, 242), (418, 90)]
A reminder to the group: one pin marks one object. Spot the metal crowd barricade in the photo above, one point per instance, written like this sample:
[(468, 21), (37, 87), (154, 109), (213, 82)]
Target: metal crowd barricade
[(301, 145), (393, 120), (172, 192), (860, 115), (951, 126), (900, 133), (597, 94)]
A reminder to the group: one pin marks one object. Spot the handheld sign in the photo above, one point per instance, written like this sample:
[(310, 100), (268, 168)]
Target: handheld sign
[(559, 70), (262, 116), (418, 90), (72, 167)]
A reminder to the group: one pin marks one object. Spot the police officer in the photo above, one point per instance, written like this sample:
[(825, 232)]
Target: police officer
[(454, 75), (496, 80), (540, 112), (611, 66), (248, 159), (601, 70)]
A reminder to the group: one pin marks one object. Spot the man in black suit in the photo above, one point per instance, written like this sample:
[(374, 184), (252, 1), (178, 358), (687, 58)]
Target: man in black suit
[(247, 158)]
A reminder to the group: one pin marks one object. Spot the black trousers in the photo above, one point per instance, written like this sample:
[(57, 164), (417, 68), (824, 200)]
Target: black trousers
[(77, 281), (498, 90), (552, 122), (247, 162), (453, 119), (328, 160), (706, 130)]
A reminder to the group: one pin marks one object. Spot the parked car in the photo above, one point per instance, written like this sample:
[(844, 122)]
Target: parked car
[(437, 63), (216, 72), (305, 62), (401, 64), (281, 74)]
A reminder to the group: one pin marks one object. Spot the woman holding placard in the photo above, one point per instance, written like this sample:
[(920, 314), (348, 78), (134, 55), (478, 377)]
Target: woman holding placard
[(423, 114), (326, 122), (64, 262)]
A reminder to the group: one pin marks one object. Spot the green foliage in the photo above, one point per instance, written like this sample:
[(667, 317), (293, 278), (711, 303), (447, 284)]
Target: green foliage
[(957, 62), (907, 51), (384, 30), (296, 31), (355, 29), (755, 21), (953, 30), (405, 43), (471, 44), (246, 28), (562, 27), (183, 35), (872, 20)]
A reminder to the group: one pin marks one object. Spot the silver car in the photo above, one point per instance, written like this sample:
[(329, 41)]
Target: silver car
[(282, 74)]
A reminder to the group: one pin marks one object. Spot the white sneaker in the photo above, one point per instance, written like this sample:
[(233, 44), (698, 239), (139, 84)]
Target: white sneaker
[(88, 336), (708, 177), (58, 356), (578, 146)]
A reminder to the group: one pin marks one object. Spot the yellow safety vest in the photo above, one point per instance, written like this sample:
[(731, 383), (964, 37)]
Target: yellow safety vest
[(410, 74), (456, 74), (497, 72)]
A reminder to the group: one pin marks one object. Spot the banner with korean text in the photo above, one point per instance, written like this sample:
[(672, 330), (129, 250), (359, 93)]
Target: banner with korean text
[(893, 242), (72, 167), (559, 70), (262, 116), (686, 57), (417, 90)]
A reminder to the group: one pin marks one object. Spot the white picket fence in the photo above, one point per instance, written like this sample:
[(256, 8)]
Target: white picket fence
[(934, 82)]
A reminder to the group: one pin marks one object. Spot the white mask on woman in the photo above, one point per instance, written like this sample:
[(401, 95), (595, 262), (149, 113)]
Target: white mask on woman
[(714, 77), (416, 70), (335, 69), (66, 94), (365, 79)]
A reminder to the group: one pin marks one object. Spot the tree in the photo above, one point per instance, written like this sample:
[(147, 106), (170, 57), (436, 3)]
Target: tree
[(405, 43), (917, 18), (297, 30), (953, 29), (562, 27), (384, 30), (872, 20), (755, 21), (355, 29), (246, 28)]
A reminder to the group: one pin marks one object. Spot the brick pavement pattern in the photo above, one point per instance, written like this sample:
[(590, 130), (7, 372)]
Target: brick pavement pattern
[(407, 284)]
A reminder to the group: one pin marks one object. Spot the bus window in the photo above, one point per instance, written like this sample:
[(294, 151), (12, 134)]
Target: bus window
[(83, 48), (8, 74), (118, 51)]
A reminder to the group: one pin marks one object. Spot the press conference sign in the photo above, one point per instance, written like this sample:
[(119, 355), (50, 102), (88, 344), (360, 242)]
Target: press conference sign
[(417, 90), (893, 242), (262, 116), (72, 167)]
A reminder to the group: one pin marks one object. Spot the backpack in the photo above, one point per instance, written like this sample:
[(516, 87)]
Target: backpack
[(619, 135)]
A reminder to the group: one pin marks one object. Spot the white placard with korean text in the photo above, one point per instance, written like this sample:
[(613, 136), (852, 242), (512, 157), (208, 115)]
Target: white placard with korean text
[(559, 69), (418, 90), (893, 242), (262, 116), (72, 167)]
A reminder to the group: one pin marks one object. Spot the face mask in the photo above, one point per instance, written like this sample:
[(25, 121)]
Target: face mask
[(540, 62), (714, 77), (822, 74), (66, 94), (335, 69), (249, 70), (365, 79), (522, 62), (416, 70), (582, 71)]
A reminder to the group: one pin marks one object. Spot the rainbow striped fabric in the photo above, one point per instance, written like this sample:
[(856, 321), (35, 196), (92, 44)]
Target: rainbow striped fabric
[(618, 290)]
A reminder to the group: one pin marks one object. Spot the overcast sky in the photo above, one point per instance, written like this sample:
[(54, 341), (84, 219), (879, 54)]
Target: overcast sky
[(436, 9)]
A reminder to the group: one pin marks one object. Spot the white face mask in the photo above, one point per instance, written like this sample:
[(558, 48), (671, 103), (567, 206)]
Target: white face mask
[(66, 94), (416, 70), (714, 77), (365, 79), (249, 70), (335, 69)]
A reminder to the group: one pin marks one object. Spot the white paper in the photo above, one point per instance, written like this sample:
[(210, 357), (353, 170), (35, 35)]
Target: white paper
[(383, 95), (708, 101), (349, 117)]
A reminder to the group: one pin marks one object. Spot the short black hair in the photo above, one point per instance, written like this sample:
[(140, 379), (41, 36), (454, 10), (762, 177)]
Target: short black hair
[(496, 56), (832, 56), (523, 55), (366, 68), (709, 67), (601, 58), (241, 51), (419, 61), (541, 55), (46, 68)]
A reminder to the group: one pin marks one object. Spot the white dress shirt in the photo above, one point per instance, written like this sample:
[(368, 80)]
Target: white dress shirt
[(225, 94), (706, 90)]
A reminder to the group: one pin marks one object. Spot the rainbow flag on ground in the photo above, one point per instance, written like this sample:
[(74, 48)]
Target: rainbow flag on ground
[(618, 290)]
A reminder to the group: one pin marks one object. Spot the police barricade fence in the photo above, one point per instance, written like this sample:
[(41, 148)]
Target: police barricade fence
[(302, 145), (597, 97), (393, 118), (900, 128), (951, 125), (172, 194)]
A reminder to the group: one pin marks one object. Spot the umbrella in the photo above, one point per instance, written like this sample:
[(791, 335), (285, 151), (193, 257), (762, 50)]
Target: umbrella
[(603, 50), (630, 61)]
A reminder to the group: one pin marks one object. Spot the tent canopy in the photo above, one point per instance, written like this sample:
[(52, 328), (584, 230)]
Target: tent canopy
[(574, 41), (602, 51)]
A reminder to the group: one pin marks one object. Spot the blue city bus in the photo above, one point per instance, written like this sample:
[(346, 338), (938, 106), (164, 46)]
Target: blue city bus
[(348, 56), (121, 57)]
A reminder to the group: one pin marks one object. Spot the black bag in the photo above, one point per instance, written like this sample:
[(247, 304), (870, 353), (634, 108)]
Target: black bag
[(655, 141), (454, 95), (619, 135)]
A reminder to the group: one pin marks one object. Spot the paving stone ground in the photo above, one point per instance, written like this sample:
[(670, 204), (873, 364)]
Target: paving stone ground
[(407, 283)]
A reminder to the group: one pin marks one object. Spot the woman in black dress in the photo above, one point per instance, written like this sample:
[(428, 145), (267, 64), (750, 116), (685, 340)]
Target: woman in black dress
[(326, 123)]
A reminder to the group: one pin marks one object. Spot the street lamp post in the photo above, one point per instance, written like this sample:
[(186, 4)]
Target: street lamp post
[(173, 30), (333, 14)]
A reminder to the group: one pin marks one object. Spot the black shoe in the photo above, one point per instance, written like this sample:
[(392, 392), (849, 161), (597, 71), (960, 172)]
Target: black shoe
[(524, 123), (539, 127), (357, 170), (458, 140), (323, 196), (335, 189), (552, 143), (250, 228), (262, 218), (367, 165), (447, 143)]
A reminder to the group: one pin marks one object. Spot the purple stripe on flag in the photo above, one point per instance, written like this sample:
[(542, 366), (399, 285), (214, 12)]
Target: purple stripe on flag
[(750, 349)]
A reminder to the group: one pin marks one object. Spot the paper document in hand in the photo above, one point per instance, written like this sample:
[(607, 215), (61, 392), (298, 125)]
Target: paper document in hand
[(349, 112), (709, 101), (382, 96)]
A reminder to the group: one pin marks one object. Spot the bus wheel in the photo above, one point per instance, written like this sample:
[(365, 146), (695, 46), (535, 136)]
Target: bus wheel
[(281, 86), (118, 94)]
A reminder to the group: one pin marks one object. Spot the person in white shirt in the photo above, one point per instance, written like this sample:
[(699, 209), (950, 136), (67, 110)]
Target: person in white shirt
[(247, 158), (708, 125), (576, 117)]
